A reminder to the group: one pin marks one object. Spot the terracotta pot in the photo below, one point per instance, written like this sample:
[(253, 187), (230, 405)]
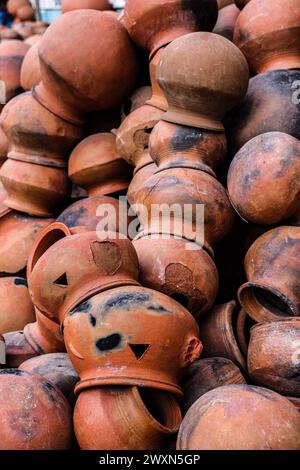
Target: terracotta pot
[(8, 33), (18, 233), (56, 369), (272, 41), (241, 3), (4, 146), (44, 335), (16, 309), (135, 101), (11, 57), (125, 336), (226, 21), (296, 402), (272, 268), (273, 356), (205, 375), (26, 13), (202, 95), (30, 70), (125, 418), (33, 39), (184, 191), (95, 165), (179, 269), (38, 136), (25, 401), (17, 348), (222, 319), (3, 208), (263, 179), (97, 84), (156, 23), (79, 266), (240, 417), (271, 97), (13, 5), (224, 3), (158, 99), (2, 351), (70, 5), (138, 181), (174, 146)]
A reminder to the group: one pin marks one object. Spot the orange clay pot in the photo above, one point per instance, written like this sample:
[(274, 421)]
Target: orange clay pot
[(95, 165), (16, 309), (123, 337), (97, 84), (44, 335), (125, 418), (205, 375), (79, 266), (8, 33), (138, 180), (272, 41), (17, 348), (30, 70), (13, 5), (4, 146), (25, 401), (295, 401), (226, 21), (272, 267), (158, 99), (2, 351), (11, 57), (198, 91), (135, 101), (3, 208), (33, 39), (240, 417), (179, 269), (26, 13), (70, 5), (156, 23)]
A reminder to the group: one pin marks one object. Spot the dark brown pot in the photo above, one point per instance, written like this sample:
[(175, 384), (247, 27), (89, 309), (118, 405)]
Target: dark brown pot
[(240, 417), (226, 21), (273, 269), (11, 57), (263, 179), (30, 70), (274, 356)]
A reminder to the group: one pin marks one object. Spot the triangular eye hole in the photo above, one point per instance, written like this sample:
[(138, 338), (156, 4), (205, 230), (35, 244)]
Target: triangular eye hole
[(139, 350), (62, 280)]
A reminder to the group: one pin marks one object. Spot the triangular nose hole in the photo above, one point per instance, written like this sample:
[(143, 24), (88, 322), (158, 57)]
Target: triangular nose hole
[(62, 280), (139, 349)]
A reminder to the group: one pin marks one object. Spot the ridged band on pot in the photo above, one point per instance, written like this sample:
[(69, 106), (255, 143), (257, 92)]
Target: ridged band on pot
[(272, 268), (131, 336)]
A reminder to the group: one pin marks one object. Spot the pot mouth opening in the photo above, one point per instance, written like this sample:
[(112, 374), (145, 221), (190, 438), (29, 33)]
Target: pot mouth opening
[(162, 407), (257, 298)]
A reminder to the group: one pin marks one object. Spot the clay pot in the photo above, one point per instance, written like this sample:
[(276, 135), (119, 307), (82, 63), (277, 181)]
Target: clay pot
[(271, 97), (135, 101), (138, 181), (205, 375), (198, 91), (125, 336), (272, 268), (241, 3), (179, 269), (79, 266), (13, 5), (26, 13), (158, 99), (125, 418), (95, 165), (33, 39), (156, 23), (240, 417), (18, 233), (8, 33), (226, 21), (224, 3), (56, 369), (97, 84), (174, 146), (2, 351), (222, 319), (25, 401), (295, 401), (17, 348), (273, 356), (11, 57), (30, 70), (34, 189), (4, 146), (263, 179), (3, 208), (44, 335), (70, 5), (272, 41), (16, 309), (184, 191), (38, 136)]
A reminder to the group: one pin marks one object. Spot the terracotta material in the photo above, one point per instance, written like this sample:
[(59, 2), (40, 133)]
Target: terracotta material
[(95, 165), (17, 348), (158, 99), (125, 336), (30, 70), (296, 402), (223, 319), (226, 21), (2, 351), (26, 13), (25, 401), (240, 417), (13, 5), (16, 309), (272, 267), (205, 375), (38, 136), (4, 146), (224, 3), (3, 208), (125, 418), (97, 84), (11, 57), (32, 40), (271, 97), (263, 179), (79, 266), (156, 23), (56, 369), (135, 101), (9, 33), (202, 96), (70, 5), (273, 356), (272, 41), (138, 181), (44, 335), (18, 233), (34, 189), (179, 269), (174, 146)]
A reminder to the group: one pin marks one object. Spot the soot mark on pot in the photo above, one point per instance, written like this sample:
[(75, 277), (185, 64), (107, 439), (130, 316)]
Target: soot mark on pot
[(250, 177), (124, 301), (185, 138), (158, 309), (20, 282), (262, 392), (12, 372), (84, 307), (93, 320), (71, 217), (109, 342), (49, 391)]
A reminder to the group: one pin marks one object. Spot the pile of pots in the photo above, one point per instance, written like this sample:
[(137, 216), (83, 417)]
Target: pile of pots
[(139, 329)]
